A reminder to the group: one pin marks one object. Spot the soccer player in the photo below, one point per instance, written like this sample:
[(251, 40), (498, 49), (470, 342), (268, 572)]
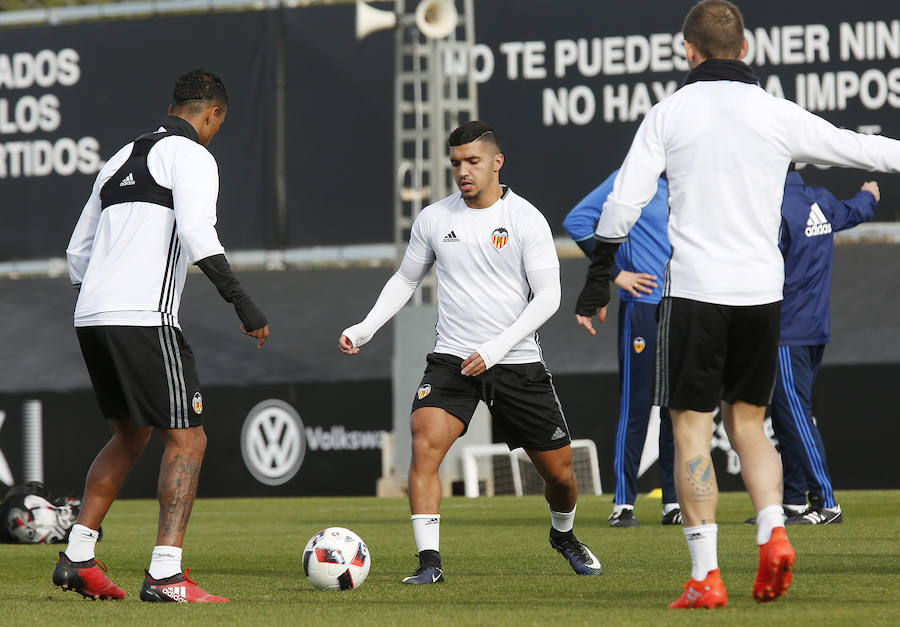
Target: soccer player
[(725, 145), (498, 281), (151, 212), (810, 216), (638, 264)]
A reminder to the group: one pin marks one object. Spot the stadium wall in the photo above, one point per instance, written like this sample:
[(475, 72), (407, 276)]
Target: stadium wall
[(566, 89), (344, 403), (343, 427)]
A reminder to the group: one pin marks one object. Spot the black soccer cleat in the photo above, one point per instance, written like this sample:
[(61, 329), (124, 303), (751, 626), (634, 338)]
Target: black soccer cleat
[(429, 570), (673, 517), (425, 575), (789, 516), (578, 555), (821, 516), (624, 518)]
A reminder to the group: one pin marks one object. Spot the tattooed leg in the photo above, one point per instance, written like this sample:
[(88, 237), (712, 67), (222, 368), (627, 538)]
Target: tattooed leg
[(178, 476), (695, 476), (760, 462)]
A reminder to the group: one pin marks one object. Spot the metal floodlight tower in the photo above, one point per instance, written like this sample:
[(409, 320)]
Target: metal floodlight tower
[(434, 92), (431, 98)]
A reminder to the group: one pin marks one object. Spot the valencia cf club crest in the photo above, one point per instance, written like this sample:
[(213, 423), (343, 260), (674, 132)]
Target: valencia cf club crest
[(499, 237), (639, 345), (197, 403), (423, 391)]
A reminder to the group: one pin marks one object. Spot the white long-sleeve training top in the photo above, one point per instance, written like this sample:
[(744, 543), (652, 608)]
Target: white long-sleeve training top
[(726, 147), (130, 258)]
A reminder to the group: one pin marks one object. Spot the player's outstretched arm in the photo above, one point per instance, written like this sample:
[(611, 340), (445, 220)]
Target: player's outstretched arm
[(398, 289), (253, 322)]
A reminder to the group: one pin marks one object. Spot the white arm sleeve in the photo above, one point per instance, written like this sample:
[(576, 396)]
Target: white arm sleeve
[(636, 183), (195, 190), (545, 287), (394, 295), (78, 252), (816, 140)]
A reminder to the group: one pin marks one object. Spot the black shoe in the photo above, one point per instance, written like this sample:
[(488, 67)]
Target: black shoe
[(673, 517), (624, 518), (816, 501), (429, 570), (579, 556), (789, 514), (821, 516)]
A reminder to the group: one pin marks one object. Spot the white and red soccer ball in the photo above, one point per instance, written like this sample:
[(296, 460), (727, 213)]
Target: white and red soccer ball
[(336, 559)]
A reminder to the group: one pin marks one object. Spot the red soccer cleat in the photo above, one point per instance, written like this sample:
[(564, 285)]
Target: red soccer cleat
[(776, 565), (176, 589), (707, 594), (85, 578)]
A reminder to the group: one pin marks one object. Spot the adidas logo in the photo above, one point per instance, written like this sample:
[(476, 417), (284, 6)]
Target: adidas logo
[(558, 434), (128, 180), (176, 593), (817, 224), (451, 237)]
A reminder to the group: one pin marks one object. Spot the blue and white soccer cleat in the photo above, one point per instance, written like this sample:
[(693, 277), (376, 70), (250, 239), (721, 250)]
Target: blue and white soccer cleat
[(425, 575), (582, 560)]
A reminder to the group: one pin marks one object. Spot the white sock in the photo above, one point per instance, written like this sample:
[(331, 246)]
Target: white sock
[(668, 507), (81, 543), (617, 507), (562, 521), (427, 531), (768, 518), (702, 542), (165, 561)]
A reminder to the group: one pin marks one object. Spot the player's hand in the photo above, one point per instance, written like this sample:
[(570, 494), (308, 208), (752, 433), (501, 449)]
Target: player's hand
[(872, 188), (260, 334), (473, 365), (634, 282), (586, 322), (347, 346)]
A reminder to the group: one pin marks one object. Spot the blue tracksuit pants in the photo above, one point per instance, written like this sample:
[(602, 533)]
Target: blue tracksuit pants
[(802, 450), (637, 349)]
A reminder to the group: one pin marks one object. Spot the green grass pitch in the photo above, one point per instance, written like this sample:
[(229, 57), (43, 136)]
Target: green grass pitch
[(499, 566)]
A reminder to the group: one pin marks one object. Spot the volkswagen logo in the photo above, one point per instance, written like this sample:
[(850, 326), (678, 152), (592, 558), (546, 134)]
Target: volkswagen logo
[(273, 442)]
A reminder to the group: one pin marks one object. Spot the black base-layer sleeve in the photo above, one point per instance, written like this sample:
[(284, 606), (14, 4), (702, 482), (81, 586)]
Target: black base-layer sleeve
[(595, 293), (218, 271)]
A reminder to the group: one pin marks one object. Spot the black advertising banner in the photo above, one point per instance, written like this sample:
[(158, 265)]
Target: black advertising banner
[(306, 153), (340, 128), (567, 83), (308, 439), (319, 439), (72, 95)]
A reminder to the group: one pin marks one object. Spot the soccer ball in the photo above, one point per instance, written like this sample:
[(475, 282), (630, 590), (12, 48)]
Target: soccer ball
[(336, 559)]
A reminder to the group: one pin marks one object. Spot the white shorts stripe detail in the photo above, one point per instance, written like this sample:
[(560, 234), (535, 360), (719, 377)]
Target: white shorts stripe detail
[(168, 368)]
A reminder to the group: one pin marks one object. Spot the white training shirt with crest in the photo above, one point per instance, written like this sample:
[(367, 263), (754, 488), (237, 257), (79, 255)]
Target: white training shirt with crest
[(726, 147), (481, 257), (131, 258)]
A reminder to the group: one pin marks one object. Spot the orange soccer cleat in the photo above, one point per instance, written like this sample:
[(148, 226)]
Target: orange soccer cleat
[(86, 578), (707, 594), (776, 565), (176, 589)]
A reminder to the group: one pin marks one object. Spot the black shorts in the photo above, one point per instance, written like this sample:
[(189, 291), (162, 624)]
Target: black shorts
[(520, 397), (144, 374), (707, 353)]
